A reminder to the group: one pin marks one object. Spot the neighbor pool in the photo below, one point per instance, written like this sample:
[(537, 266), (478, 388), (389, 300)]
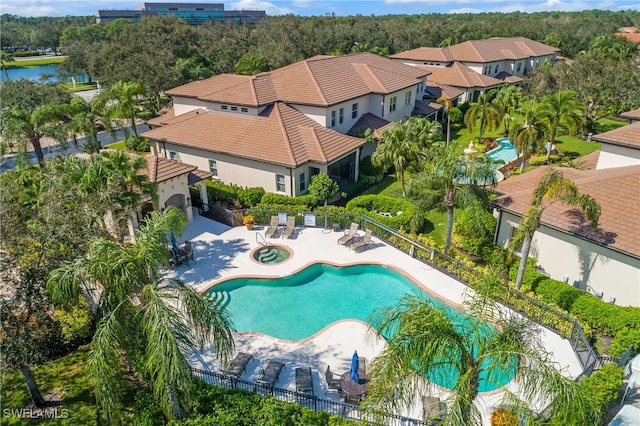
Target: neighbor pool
[(506, 151), (300, 305)]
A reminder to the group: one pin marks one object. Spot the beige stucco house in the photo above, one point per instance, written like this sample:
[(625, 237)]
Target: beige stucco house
[(278, 129), (603, 261), (475, 66)]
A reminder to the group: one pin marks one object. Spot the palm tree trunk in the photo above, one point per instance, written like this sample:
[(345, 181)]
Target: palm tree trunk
[(524, 255), (448, 129), (34, 391), (447, 245), (35, 142), (401, 172)]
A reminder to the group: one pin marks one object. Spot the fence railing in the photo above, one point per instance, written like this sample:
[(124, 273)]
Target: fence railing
[(534, 309), (310, 401)]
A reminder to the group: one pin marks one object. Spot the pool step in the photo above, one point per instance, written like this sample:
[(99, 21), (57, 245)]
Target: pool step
[(219, 298), (269, 256)]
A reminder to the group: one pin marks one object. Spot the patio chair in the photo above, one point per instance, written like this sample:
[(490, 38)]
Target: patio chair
[(269, 376), (365, 243), (350, 234), (304, 380), (238, 365), (291, 227), (352, 399), (333, 382), (273, 228)]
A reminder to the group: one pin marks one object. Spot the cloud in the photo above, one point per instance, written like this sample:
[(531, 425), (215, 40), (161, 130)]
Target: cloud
[(269, 8)]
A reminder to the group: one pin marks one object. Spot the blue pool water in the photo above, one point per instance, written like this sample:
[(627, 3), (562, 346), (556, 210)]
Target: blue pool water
[(505, 152), (300, 305)]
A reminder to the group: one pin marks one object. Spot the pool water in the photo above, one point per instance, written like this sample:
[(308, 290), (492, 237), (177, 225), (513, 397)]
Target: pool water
[(506, 151), (300, 305), (271, 255)]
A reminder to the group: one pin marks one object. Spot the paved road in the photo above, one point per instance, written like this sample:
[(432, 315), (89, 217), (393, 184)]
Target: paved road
[(52, 150)]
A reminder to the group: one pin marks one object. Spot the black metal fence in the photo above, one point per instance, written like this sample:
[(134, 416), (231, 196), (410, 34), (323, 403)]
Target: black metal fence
[(310, 401)]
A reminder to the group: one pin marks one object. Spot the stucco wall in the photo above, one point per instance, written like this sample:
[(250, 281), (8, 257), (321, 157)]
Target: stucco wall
[(585, 265), (182, 104), (176, 185), (617, 156)]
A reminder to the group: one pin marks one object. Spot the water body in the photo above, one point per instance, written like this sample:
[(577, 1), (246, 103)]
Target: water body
[(35, 74)]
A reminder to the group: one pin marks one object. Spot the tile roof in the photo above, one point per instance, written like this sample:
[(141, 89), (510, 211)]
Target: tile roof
[(279, 135), (589, 161), (459, 75), (426, 108), (508, 78), (160, 169), (616, 189), (490, 50), (169, 117), (498, 49), (229, 88), (632, 37), (436, 90), (368, 121), (313, 81), (631, 115), (627, 136)]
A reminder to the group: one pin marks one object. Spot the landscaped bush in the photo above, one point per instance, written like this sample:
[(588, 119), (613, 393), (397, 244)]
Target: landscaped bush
[(232, 194), (136, 143), (76, 323), (473, 230), (539, 160), (271, 198), (457, 119), (368, 169), (495, 256), (148, 412), (604, 385), (250, 197), (401, 211), (625, 338)]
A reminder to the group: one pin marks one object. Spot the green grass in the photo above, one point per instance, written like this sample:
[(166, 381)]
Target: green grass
[(67, 376), (116, 145), (80, 87), (34, 62)]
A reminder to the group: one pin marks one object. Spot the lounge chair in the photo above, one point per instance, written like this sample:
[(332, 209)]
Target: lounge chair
[(238, 365), (291, 227), (271, 373), (273, 228), (333, 382), (304, 380), (364, 244), (350, 235)]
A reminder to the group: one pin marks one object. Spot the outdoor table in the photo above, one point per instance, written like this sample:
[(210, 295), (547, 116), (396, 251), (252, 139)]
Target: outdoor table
[(352, 387)]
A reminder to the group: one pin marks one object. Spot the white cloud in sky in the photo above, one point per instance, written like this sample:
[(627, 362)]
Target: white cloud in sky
[(269, 8)]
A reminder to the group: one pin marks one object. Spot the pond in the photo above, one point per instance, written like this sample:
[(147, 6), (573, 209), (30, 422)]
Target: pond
[(35, 74)]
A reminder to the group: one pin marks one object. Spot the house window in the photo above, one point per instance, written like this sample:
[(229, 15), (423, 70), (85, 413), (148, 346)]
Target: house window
[(407, 98), (224, 107), (244, 109), (341, 115), (497, 66), (392, 103), (333, 118), (234, 108), (173, 155), (354, 110), (303, 182), (519, 67), (213, 167), (280, 187)]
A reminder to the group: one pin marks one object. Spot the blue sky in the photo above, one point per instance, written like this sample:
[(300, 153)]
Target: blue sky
[(321, 7)]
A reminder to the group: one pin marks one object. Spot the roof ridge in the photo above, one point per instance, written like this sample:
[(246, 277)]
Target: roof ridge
[(277, 105), (315, 82), (367, 67), (316, 140)]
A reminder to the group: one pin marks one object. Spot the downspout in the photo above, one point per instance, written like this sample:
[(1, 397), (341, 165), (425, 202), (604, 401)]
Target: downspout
[(291, 182)]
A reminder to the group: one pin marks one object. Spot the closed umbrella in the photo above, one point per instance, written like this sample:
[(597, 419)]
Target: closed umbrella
[(174, 244), (354, 366)]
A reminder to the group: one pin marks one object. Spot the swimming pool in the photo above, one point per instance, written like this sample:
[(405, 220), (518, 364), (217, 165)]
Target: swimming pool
[(300, 305), (506, 151)]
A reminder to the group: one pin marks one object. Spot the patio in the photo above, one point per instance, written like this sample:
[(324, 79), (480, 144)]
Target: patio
[(222, 252)]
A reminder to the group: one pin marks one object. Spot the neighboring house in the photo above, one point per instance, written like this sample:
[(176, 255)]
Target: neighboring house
[(604, 261), (495, 61), (279, 128), (192, 13), (631, 34)]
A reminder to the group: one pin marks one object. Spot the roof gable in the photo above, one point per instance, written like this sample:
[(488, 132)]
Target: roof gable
[(627, 136), (459, 75)]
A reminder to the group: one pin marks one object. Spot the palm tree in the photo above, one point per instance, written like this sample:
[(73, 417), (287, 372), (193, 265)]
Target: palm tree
[(252, 65), (425, 341), (448, 104), (121, 101), (564, 112), (484, 111), (143, 313), (508, 102), (4, 58), (534, 132), (84, 120), (396, 149), (422, 132), (552, 188), (452, 180)]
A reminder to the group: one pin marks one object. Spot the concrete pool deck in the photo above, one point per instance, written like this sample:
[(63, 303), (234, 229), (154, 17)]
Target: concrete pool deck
[(222, 252)]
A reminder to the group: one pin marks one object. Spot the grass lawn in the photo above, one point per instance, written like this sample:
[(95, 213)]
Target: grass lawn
[(80, 87), (67, 377), (34, 62)]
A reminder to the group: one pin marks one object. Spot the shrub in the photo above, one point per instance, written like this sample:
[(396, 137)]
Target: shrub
[(76, 323), (604, 385), (538, 160), (401, 211), (456, 118), (624, 338), (272, 198), (558, 293), (148, 412), (368, 169), (250, 197), (503, 417), (473, 229)]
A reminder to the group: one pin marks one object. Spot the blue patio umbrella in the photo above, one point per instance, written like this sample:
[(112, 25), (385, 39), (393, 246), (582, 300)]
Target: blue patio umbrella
[(354, 366)]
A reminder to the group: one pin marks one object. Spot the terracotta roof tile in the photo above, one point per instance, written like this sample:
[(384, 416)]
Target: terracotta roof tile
[(169, 117), (459, 75), (433, 54), (499, 48), (426, 108), (508, 78), (367, 121), (617, 190), (438, 90), (280, 135), (631, 115), (628, 136), (160, 169)]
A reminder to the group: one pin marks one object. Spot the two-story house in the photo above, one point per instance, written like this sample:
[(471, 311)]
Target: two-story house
[(478, 65), (278, 129)]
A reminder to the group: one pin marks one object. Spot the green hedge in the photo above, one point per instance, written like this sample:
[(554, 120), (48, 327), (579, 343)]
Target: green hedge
[(271, 198), (539, 160), (368, 169), (371, 204), (604, 385), (473, 230), (232, 194)]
